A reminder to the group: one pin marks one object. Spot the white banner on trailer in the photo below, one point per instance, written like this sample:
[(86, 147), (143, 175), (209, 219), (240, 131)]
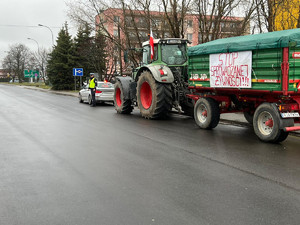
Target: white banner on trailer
[(230, 70)]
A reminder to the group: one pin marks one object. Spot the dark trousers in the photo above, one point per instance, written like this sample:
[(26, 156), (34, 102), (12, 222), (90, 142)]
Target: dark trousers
[(93, 96)]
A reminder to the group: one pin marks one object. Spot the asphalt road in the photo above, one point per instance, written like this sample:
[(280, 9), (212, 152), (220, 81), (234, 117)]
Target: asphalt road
[(62, 163)]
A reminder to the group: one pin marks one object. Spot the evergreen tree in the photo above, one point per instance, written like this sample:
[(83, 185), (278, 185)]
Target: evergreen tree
[(62, 62), (90, 52), (97, 57), (83, 47)]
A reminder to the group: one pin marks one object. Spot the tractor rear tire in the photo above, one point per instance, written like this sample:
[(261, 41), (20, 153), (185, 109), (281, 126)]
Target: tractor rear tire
[(154, 99), (207, 113), (122, 105)]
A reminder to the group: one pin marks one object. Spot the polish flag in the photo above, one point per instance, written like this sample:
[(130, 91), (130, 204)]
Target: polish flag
[(151, 42)]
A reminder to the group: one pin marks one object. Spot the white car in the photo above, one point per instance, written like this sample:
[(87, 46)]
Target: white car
[(104, 93)]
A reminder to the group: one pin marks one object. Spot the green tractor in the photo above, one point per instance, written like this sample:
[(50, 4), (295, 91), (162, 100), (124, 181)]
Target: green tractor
[(158, 85)]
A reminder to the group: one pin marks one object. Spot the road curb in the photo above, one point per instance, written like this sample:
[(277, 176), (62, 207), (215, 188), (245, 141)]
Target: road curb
[(65, 93)]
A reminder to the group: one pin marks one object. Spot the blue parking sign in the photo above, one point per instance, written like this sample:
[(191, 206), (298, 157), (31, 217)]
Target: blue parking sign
[(77, 71)]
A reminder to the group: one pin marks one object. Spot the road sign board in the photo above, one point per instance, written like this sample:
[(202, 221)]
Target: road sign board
[(31, 73), (77, 71)]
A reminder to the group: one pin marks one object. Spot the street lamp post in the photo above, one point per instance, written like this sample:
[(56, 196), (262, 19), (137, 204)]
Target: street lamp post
[(36, 43), (41, 25), (39, 55)]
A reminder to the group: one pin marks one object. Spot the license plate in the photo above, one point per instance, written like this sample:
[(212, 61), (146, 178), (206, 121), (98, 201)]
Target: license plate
[(289, 115)]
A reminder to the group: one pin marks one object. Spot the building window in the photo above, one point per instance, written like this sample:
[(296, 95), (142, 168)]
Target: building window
[(199, 38), (143, 35), (155, 34), (116, 19), (190, 37), (190, 23), (131, 34), (156, 22), (116, 33), (142, 22), (167, 35), (129, 21)]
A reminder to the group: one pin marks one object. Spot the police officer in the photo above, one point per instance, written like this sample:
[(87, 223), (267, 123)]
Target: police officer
[(92, 87)]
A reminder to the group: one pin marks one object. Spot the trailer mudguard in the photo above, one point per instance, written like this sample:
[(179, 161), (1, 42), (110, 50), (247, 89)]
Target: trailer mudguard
[(161, 73), (289, 122), (125, 82)]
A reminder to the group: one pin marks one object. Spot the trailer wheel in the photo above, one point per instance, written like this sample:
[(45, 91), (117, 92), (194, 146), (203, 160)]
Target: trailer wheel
[(122, 106), (207, 113), (154, 99), (266, 124)]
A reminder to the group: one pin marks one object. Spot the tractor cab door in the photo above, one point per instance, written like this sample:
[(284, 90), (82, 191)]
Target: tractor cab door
[(147, 54)]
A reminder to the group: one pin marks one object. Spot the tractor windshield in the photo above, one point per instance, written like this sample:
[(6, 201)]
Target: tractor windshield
[(174, 54)]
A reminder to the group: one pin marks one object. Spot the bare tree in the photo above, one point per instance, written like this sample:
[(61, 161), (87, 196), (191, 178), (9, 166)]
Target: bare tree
[(41, 58), (248, 9), (266, 13), (133, 23), (175, 13), (8, 65), (17, 59), (217, 17)]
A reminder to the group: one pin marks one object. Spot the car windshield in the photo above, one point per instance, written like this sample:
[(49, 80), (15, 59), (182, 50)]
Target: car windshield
[(173, 54), (105, 85)]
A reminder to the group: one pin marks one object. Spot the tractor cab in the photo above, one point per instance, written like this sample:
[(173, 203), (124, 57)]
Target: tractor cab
[(170, 52)]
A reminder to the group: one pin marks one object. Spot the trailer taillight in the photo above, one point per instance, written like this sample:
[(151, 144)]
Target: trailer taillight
[(283, 108), (288, 107), (294, 107)]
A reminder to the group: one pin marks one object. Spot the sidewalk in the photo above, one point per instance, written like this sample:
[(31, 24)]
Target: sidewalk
[(236, 119), (66, 93)]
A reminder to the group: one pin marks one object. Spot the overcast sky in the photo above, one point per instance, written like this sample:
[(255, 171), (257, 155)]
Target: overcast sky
[(19, 20)]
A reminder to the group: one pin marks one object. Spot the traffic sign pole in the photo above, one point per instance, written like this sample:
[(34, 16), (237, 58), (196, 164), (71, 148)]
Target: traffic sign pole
[(77, 72)]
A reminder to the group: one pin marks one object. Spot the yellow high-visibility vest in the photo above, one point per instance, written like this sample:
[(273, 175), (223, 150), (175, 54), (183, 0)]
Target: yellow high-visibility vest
[(92, 83)]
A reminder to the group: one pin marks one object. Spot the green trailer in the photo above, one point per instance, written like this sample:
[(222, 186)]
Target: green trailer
[(258, 75)]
